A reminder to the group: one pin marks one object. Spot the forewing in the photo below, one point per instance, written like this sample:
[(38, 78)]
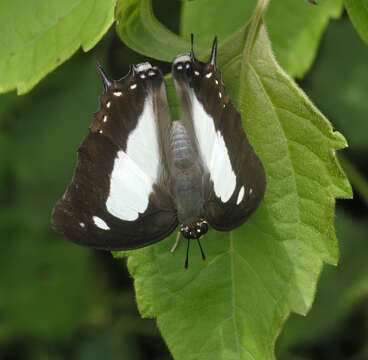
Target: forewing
[(234, 179), (119, 198)]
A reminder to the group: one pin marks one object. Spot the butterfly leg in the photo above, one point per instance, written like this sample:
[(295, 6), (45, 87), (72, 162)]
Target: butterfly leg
[(176, 242)]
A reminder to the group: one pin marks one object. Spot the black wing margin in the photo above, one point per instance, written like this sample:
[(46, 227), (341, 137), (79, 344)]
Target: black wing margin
[(199, 86), (82, 214)]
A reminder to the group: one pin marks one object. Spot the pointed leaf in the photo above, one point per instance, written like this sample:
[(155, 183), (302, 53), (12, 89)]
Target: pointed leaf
[(233, 306), (358, 12), (38, 36)]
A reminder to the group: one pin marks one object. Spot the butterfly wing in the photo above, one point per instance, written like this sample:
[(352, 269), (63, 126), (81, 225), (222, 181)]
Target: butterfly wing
[(119, 198), (234, 179)]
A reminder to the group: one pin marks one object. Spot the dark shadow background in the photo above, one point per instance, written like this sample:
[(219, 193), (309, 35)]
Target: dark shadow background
[(61, 301)]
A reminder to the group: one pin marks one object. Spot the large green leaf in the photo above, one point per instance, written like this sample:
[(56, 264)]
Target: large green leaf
[(233, 306), (37, 36), (295, 39), (358, 12)]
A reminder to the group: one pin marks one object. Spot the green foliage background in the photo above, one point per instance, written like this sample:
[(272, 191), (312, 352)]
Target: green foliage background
[(61, 301)]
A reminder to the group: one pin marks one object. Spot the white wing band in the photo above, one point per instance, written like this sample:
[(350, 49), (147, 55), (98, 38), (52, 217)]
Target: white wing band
[(214, 152), (136, 170)]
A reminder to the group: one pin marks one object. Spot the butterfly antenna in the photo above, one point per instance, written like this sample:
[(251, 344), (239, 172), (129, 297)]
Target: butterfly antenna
[(187, 257), (214, 53), (176, 242), (202, 252), (105, 79), (192, 50), (133, 69)]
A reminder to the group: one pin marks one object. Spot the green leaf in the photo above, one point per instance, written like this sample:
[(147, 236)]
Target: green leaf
[(141, 31), (338, 83), (38, 36), (358, 12), (295, 26), (302, 22), (340, 289), (233, 306)]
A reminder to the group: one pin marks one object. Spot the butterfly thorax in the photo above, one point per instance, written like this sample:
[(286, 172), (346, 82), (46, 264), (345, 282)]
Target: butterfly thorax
[(186, 174)]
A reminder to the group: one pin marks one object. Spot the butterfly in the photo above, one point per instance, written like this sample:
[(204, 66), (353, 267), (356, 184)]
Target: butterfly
[(139, 175)]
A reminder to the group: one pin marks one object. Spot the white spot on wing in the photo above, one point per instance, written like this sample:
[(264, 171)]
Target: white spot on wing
[(108, 104), (117, 93), (82, 224), (240, 196), (182, 58), (143, 66), (133, 86), (196, 72), (100, 223), (250, 191), (214, 152), (208, 75), (136, 170), (104, 118)]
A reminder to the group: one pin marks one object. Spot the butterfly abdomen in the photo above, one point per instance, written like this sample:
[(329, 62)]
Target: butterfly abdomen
[(185, 174)]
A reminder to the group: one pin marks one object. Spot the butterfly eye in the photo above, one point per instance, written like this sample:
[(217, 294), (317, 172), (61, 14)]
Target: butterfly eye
[(204, 228)]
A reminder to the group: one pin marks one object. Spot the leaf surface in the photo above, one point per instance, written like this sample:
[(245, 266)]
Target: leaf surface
[(38, 36), (233, 306)]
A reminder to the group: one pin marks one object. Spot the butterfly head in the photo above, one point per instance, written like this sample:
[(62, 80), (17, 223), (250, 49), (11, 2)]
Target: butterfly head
[(194, 230)]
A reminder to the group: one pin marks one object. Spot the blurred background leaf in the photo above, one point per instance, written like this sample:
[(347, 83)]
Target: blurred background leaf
[(340, 291), (358, 12)]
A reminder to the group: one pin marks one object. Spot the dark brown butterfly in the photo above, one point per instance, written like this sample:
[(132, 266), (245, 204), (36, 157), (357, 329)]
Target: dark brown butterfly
[(139, 175)]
